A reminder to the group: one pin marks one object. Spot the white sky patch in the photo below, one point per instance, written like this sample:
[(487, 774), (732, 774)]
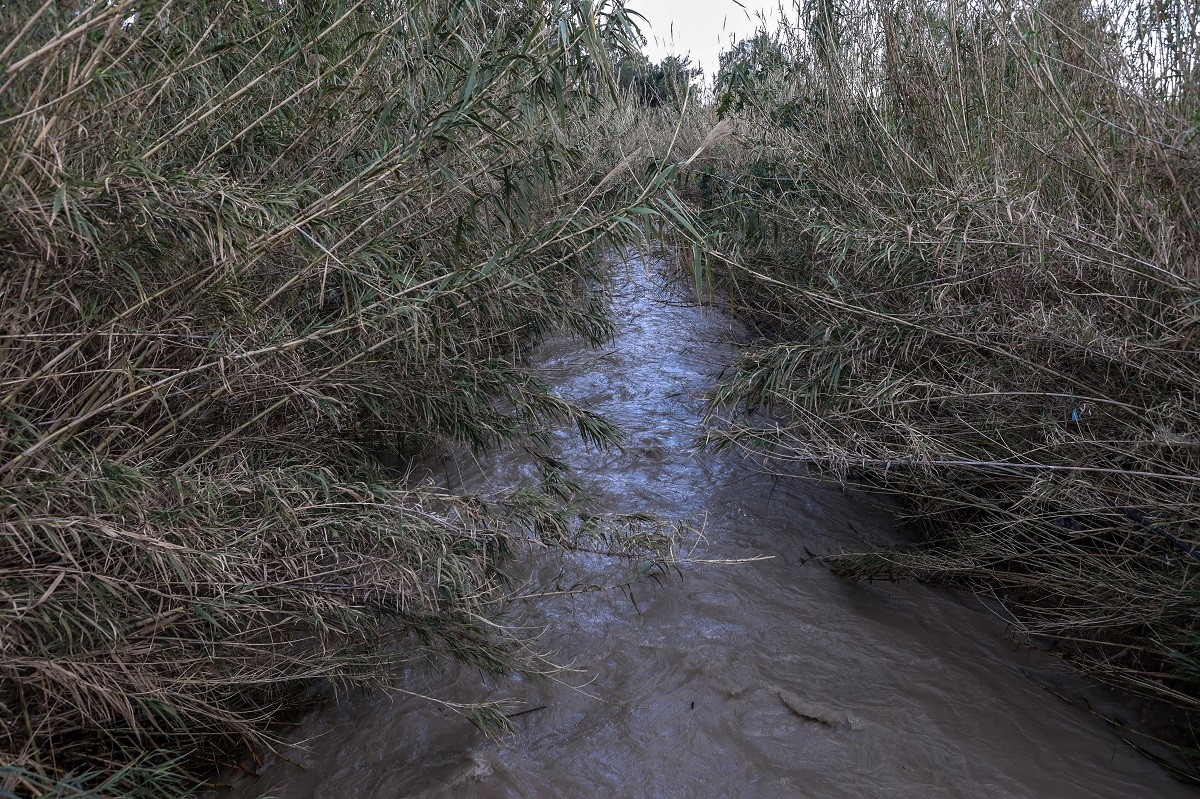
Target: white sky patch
[(701, 27)]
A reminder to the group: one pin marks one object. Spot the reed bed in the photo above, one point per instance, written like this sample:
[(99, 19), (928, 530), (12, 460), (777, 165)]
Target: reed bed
[(252, 250), (969, 234)]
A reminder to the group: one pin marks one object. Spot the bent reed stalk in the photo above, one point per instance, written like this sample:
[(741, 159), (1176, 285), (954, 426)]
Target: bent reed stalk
[(248, 246), (970, 234)]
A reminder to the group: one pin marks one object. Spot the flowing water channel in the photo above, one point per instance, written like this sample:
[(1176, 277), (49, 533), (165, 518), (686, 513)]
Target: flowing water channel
[(766, 678)]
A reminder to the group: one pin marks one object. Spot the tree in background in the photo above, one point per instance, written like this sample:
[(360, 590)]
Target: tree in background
[(747, 69), (656, 85)]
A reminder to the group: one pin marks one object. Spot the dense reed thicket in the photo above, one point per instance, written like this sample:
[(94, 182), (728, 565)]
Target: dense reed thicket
[(971, 233), (248, 247)]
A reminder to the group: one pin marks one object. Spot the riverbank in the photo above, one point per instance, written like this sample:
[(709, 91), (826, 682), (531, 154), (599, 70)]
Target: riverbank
[(972, 235), (246, 247), (765, 678)]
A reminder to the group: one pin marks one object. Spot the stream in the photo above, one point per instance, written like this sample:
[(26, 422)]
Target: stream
[(765, 678)]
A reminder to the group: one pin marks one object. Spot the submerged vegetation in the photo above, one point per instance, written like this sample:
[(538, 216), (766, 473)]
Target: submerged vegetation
[(251, 249), (970, 233)]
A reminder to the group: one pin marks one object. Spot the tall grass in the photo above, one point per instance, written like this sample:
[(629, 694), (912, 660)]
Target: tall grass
[(249, 247), (970, 233)]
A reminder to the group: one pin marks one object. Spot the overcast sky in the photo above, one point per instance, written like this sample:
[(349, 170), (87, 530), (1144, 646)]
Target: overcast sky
[(702, 27)]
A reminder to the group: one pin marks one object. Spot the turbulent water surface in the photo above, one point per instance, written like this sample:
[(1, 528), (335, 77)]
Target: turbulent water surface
[(763, 679)]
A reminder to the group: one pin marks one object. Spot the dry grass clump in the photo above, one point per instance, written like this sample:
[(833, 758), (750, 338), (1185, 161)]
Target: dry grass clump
[(971, 233), (247, 247)]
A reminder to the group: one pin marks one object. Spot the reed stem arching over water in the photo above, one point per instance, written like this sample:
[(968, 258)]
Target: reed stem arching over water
[(248, 246), (971, 234)]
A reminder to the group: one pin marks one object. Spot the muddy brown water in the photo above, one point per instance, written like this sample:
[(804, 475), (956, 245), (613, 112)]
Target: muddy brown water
[(767, 678)]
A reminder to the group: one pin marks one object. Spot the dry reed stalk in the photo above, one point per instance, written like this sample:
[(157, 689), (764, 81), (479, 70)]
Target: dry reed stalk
[(971, 235), (249, 247)]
